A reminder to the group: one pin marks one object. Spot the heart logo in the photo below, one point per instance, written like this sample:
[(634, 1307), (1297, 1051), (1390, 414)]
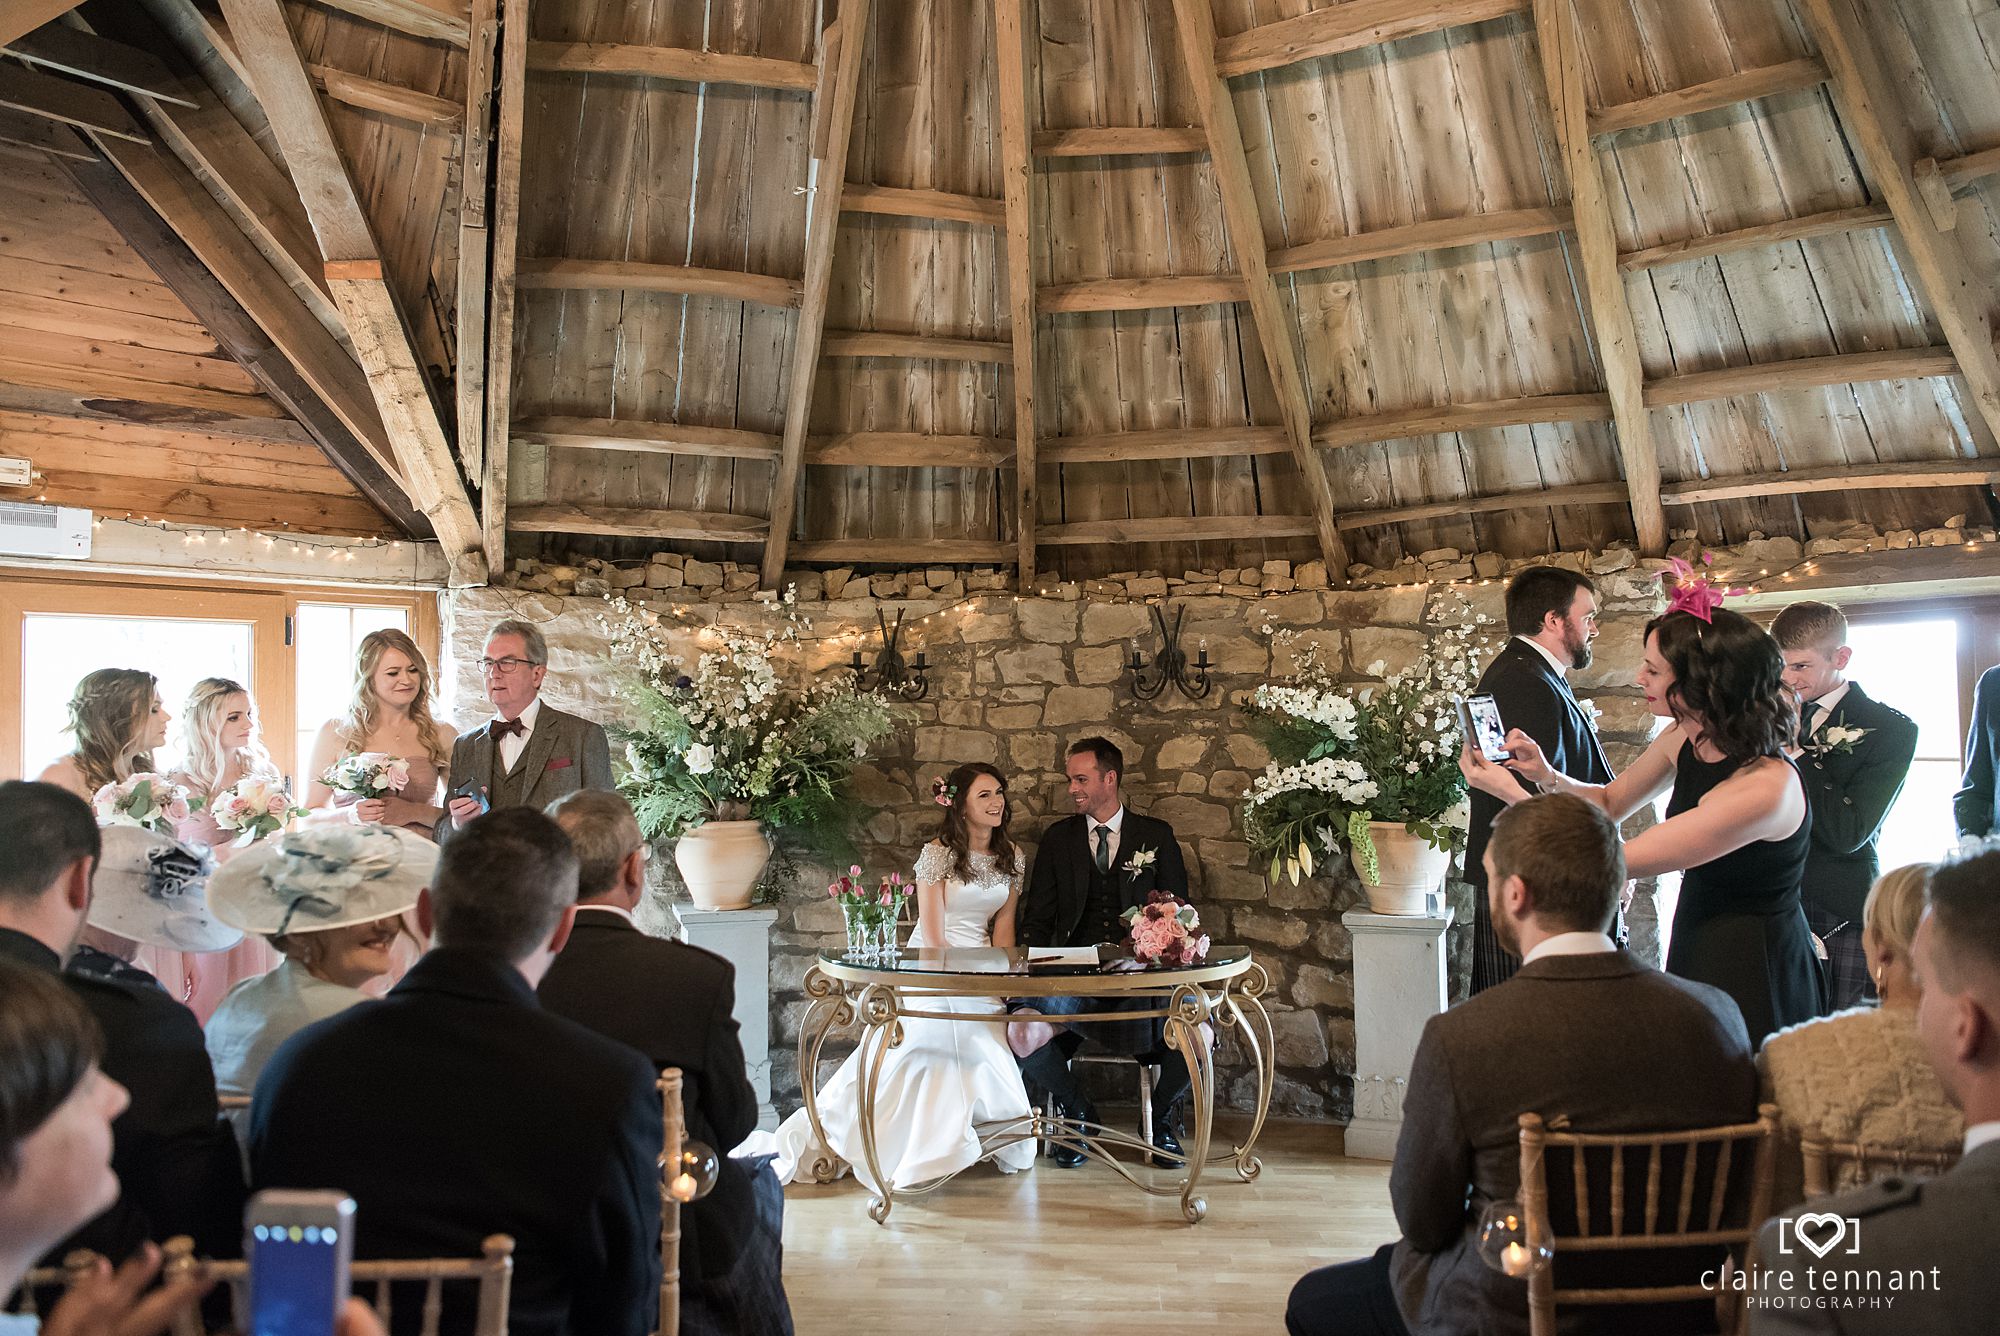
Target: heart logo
[(1820, 1220)]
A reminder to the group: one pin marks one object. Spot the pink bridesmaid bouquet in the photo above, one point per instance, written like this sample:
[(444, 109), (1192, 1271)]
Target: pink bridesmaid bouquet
[(147, 800), (368, 775), (1166, 929), (257, 806)]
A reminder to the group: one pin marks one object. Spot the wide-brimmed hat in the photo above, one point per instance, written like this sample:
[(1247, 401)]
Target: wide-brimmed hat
[(323, 877), (152, 890)]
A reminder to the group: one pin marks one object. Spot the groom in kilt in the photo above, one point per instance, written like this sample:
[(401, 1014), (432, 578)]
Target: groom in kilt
[(1088, 870)]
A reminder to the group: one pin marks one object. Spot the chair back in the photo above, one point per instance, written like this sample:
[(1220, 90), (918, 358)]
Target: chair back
[(674, 1120), (1838, 1165), (1637, 1191), (233, 1103), (493, 1270)]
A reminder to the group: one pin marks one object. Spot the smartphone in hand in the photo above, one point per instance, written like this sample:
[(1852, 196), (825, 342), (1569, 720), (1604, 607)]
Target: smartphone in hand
[(300, 1246), (474, 790), (1479, 717)]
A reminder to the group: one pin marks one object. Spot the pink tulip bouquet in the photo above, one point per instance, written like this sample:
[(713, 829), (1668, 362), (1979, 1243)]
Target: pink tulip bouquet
[(1166, 929)]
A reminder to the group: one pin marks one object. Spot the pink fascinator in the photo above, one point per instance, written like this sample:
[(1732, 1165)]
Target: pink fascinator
[(1694, 591)]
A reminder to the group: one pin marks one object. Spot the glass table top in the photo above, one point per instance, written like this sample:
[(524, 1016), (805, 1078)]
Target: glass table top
[(1041, 962)]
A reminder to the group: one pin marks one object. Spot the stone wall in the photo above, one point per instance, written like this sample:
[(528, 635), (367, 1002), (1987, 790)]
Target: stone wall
[(1013, 680)]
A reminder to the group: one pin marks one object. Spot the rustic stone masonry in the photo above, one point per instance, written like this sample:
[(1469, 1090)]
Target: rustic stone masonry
[(1014, 679)]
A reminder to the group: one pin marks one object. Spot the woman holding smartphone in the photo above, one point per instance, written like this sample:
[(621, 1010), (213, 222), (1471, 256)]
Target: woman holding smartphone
[(1737, 824)]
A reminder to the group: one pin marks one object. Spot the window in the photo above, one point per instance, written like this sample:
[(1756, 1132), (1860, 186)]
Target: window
[(1911, 663)]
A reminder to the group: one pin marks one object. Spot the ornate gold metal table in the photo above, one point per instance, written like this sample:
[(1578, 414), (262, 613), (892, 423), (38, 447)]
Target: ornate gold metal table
[(1225, 989)]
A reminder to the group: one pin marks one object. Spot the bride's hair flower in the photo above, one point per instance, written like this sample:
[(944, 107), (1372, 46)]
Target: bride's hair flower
[(942, 793)]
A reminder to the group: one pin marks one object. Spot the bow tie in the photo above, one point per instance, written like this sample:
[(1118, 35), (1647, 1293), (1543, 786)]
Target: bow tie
[(503, 728)]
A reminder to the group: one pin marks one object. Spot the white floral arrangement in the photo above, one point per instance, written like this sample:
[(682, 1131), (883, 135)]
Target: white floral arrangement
[(1348, 753), (1838, 740), (1140, 860), (256, 806), (152, 802), (740, 730), (368, 775)]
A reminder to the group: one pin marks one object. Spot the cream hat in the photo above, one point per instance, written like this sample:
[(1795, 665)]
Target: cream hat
[(152, 890), (323, 877)]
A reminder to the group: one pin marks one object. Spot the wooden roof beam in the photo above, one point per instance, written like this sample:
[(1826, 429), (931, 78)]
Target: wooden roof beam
[(1099, 141), (1431, 234), (871, 343), (354, 90), (1578, 494), (223, 316), (942, 205), (654, 438), (1139, 294), (1194, 22), (438, 20), (1827, 223), (1014, 46), (1963, 171), (1117, 447), (910, 450), (1839, 478), (1609, 314), (1800, 373), (20, 17), (474, 237), (889, 552), (1792, 76), (46, 136), (1884, 145), (1181, 529), (1348, 27), (33, 93), (672, 62), (1529, 410), (693, 526), (633, 275), (85, 55), (833, 128), (367, 303), (500, 482)]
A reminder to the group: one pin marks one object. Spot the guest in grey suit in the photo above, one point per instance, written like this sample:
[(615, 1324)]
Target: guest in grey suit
[(1914, 1255), (530, 753), (1584, 1031)]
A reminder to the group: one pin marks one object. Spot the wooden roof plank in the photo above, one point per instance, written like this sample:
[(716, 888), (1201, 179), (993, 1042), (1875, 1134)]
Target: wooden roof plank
[(1194, 22), (1790, 76), (876, 551), (833, 116), (940, 204), (691, 526), (30, 132), (1829, 222), (1374, 428), (87, 56), (667, 62), (910, 450), (1431, 234), (1610, 315), (1348, 27), (875, 343), (1096, 141), (1179, 529), (1800, 373), (664, 438), (636, 276), (1839, 478), (1164, 443), (374, 318), (1576, 494), (437, 20), (34, 93), (1139, 294)]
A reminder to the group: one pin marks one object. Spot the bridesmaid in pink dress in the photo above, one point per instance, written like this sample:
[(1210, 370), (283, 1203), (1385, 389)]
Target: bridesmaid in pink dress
[(391, 713), (223, 748)]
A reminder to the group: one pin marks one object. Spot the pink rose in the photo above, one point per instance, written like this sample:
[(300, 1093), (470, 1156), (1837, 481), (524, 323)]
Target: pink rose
[(276, 804)]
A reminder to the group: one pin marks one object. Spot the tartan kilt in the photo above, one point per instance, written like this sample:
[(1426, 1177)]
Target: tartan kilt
[(1130, 1038), (1847, 984), (750, 1300)]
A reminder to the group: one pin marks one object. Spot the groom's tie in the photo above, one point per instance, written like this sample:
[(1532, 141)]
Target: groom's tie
[(1104, 848)]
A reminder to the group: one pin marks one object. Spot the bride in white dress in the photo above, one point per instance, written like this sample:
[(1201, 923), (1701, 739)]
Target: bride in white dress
[(947, 1078)]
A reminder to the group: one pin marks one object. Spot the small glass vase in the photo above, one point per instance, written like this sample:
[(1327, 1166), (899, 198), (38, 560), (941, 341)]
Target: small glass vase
[(887, 947), (860, 922)]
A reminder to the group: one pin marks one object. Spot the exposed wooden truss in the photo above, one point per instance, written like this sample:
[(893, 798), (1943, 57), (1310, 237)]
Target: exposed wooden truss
[(691, 526), (1166, 443), (911, 450), (34, 93), (1431, 234), (505, 225), (664, 62), (833, 127), (874, 343), (1139, 294), (88, 56), (1743, 86), (1374, 428), (860, 551), (373, 316), (1799, 373), (19, 17), (474, 236), (942, 204), (44, 136), (1844, 478), (1180, 529), (439, 20), (658, 438), (1013, 58), (1119, 140), (1348, 27), (637, 276), (1827, 223), (1577, 494)]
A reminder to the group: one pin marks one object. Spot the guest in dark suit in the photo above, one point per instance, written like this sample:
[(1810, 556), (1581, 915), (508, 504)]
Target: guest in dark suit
[(1851, 784), (1976, 805), (675, 1003), (1551, 620), (1088, 870), (176, 1161), (456, 1107), (1939, 1231), (530, 753), (1583, 1031)]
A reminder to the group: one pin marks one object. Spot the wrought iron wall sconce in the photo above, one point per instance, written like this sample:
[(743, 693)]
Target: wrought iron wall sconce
[(1170, 665), (890, 672)]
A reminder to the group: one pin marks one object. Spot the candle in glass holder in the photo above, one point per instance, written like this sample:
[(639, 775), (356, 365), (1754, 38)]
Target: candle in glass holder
[(1515, 1260)]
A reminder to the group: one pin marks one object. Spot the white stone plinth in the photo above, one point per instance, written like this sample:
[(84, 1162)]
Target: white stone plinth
[(743, 938), (1399, 983)]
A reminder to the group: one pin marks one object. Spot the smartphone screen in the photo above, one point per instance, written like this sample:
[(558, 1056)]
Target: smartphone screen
[(1487, 732), (299, 1245)]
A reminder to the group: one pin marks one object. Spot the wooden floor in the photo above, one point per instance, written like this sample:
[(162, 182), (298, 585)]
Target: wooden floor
[(1057, 1251)]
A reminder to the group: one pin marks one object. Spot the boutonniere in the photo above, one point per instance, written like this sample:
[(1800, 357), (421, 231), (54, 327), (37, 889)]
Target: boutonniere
[(1140, 860), (1837, 741), (1591, 714)]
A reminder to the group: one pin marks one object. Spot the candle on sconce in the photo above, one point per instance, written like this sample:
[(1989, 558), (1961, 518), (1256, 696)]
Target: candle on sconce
[(855, 662), (922, 662), (1201, 658)]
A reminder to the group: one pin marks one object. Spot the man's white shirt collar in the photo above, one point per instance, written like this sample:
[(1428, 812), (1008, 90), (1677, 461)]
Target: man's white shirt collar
[(1562, 669), (1571, 944), (1116, 822), (1827, 703), (619, 910), (1979, 1134), (526, 716)]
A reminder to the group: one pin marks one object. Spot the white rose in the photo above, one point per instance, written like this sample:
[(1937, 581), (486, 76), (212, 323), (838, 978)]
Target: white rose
[(700, 759)]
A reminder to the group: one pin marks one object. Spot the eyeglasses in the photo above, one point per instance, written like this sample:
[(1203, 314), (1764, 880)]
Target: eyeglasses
[(505, 667)]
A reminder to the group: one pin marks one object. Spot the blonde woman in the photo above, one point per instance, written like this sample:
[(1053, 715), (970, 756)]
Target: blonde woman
[(224, 748), (391, 713), (1861, 1075), (118, 720)]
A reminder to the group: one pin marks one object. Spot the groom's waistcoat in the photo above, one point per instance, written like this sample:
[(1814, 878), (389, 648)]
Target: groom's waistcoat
[(1102, 907)]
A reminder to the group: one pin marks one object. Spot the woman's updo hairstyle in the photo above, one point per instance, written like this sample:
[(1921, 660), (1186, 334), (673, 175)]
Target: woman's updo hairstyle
[(1728, 673)]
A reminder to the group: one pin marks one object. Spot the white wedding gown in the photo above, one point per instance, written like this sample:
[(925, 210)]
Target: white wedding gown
[(943, 1082)]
